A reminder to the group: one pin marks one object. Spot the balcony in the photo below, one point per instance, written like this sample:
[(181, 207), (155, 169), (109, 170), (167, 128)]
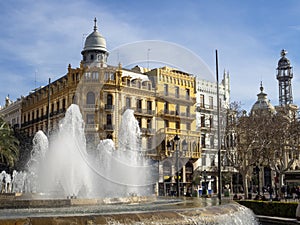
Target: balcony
[(185, 115), (174, 113), (167, 113), (144, 112), (109, 108), (109, 127), (205, 108), (148, 131), (91, 127), (90, 107), (138, 110), (149, 112), (181, 98)]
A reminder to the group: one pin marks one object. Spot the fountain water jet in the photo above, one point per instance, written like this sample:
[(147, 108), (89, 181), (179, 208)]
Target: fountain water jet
[(63, 167)]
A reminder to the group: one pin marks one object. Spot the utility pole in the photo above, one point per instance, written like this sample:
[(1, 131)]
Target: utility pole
[(176, 140), (219, 141)]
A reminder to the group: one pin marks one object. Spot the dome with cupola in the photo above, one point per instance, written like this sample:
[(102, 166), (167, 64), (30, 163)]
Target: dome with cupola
[(95, 41), (262, 103), (94, 52)]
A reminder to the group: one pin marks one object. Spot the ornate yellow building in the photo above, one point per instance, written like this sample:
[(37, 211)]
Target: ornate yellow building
[(163, 100)]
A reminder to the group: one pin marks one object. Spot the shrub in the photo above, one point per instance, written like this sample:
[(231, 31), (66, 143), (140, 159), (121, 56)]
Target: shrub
[(271, 208)]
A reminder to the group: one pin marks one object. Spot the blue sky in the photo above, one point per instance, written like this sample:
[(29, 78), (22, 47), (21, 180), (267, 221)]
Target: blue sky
[(40, 38)]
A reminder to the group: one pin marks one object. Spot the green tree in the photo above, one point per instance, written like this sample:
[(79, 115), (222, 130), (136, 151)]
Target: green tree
[(9, 145)]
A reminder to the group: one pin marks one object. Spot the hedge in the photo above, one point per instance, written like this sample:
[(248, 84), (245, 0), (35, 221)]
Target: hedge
[(271, 208)]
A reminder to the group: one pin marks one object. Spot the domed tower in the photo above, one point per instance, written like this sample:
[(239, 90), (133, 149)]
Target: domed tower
[(262, 103), (94, 52), (284, 77)]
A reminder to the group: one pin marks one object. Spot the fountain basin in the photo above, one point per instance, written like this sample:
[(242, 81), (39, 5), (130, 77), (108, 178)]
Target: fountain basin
[(131, 210), (23, 201)]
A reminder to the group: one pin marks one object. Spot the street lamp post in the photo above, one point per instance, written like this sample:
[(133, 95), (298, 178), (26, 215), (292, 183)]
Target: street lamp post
[(176, 140), (205, 180), (257, 175), (168, 152)]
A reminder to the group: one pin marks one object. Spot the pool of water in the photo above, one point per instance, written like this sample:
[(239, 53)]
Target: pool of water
[(165, 204), (159, 211)]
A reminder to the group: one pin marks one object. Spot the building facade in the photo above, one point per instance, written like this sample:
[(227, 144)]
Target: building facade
[(11, 112), (207, 124), (175, 104), (163, 101)]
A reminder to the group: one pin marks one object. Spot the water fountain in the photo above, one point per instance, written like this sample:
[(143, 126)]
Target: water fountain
[(64, 183), (63, 168)]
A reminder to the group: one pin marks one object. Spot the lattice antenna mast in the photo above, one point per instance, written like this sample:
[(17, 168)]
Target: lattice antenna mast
[(284, 77)]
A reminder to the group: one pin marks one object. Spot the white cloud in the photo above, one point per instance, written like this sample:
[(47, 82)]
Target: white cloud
[(45, 36)]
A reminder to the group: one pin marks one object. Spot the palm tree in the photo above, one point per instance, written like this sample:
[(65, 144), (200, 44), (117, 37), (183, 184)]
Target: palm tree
[(9, 145)]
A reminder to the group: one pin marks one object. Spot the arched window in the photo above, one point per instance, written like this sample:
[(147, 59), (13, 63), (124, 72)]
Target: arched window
[(109, 99), (90, 98)]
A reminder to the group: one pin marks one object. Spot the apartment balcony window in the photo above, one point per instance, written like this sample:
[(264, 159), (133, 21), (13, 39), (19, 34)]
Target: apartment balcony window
[(188, 111), (112, 76), (176, 92), (203, 141), (212, 142), (177, 110), (149, 107), (204, 160), (201, 101), (166, 123), (202, 120), (177, 124), (109, 100), (95, 75), (139, 105), (64, 104), (90, 118), (166, 107), (109, 107), (211, 102), (187, 94), (211, 122), (128, 102), (57, 106), (149, 124), (188, 126), (106, 76), (90, 98), (166, 90), (87, 75), (108, 127)]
